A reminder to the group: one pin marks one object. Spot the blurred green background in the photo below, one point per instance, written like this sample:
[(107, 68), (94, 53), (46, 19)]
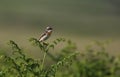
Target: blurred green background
[(82, 21)]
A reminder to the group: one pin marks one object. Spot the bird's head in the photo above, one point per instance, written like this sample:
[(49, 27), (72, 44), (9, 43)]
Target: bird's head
[(49, 29)]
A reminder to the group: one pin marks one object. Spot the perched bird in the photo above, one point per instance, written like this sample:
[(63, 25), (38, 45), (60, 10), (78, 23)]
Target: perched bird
[(46, 34)]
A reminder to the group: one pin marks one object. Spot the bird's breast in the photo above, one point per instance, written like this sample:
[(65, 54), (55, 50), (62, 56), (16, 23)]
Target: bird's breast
[(49, 33)]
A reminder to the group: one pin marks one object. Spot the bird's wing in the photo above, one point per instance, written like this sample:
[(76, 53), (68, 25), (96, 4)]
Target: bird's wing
[(42, 35)]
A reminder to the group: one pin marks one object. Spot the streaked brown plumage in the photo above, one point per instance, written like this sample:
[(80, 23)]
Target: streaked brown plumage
[(46, 34)]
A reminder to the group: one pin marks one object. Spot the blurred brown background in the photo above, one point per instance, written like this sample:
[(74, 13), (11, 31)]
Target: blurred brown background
[(82, 21)]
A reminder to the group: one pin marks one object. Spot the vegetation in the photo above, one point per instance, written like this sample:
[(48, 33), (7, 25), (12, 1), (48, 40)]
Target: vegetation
[(93, 62)]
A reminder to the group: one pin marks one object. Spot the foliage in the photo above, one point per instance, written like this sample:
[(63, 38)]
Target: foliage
[(94, 61), (20, 65)]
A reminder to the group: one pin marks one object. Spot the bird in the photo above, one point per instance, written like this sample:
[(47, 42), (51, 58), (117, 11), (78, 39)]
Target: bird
[(44, 36)]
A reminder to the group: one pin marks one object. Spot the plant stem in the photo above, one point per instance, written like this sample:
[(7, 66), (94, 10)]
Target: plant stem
[(42, 64)]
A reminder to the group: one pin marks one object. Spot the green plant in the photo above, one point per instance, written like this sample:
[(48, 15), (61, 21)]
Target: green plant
[(20, 65), (94, 61)]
